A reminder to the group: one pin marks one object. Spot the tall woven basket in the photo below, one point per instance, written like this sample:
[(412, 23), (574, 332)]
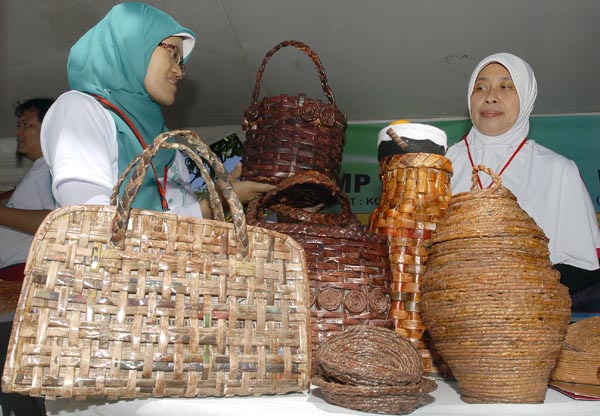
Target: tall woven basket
[(348, 266), (492, 301), (415, 195), (288, 134)]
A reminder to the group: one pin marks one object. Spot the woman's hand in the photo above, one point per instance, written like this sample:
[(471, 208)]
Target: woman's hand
[(247, 190)]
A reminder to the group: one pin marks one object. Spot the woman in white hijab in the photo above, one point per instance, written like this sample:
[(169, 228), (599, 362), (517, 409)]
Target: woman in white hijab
[(502, 92)]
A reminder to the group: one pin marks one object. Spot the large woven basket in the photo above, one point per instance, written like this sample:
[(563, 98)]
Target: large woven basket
[(415, 195), (492, 301), (579, 359), (348, 267), (127, 303), (292, 134)]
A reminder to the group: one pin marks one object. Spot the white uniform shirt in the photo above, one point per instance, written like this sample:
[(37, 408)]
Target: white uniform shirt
[(548, 187), (33, 192), (79, 142)]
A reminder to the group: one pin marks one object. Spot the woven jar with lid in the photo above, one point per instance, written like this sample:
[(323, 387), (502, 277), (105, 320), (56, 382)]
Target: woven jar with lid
[(492, 302), (415, 195)]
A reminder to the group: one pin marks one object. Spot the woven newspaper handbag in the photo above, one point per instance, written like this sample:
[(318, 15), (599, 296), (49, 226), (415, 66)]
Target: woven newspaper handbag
[(348, 267), (129, 303), (292, 134)]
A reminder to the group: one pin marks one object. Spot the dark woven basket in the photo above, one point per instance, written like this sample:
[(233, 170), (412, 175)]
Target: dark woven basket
[(492, 302), (395, 400), (292, 134), (348, 267), (370, 356), (371, 369)]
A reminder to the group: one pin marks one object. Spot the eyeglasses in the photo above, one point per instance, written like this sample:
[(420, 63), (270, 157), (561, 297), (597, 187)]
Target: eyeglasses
[(176, 55)]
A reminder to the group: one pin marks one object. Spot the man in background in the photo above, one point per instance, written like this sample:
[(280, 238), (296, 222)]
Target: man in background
[(27, 207)]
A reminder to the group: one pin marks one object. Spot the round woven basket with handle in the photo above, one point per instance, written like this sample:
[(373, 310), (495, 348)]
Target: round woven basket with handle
[(290, 134), (492, 301)]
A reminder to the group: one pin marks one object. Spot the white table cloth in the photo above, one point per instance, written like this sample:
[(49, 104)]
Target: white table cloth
[(442, 402)]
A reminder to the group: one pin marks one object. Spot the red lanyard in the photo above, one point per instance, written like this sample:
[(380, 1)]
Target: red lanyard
[(510, 159), (161, 188)]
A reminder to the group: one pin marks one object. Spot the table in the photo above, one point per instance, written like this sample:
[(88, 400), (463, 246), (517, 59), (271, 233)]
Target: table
[(442, 402)]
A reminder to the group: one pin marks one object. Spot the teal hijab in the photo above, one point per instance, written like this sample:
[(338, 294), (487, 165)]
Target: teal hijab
[(111, 60)]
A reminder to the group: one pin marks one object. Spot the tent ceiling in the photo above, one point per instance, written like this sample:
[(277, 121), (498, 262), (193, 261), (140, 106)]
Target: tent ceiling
[(385, 59)]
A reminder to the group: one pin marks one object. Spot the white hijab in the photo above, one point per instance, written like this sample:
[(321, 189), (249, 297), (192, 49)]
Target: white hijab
[(526, 85), (547, 185)]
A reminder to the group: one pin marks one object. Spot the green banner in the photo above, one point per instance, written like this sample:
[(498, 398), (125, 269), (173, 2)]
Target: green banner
[(575, 137)]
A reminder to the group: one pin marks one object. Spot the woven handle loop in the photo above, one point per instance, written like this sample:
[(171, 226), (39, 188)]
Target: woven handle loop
[(200, 152), (497, 181), (307, 50), (214, 200), (269, 200)]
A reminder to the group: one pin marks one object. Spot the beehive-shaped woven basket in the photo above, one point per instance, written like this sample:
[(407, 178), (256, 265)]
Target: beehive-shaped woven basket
[(579, 359), (492, 302), (415, 195)]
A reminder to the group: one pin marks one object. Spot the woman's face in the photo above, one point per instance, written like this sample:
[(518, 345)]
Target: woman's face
[(494, 101), (164, 72)]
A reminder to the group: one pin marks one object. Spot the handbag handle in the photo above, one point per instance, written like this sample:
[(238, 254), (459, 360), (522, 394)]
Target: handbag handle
[(256, 207), (214, 200), (307, 50), (200, 152)]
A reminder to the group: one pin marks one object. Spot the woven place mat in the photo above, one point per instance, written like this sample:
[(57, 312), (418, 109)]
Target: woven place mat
[(387, 400), (369, 356)]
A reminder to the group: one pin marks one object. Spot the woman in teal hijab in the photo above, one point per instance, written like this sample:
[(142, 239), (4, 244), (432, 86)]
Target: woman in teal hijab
[(121, 72)]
